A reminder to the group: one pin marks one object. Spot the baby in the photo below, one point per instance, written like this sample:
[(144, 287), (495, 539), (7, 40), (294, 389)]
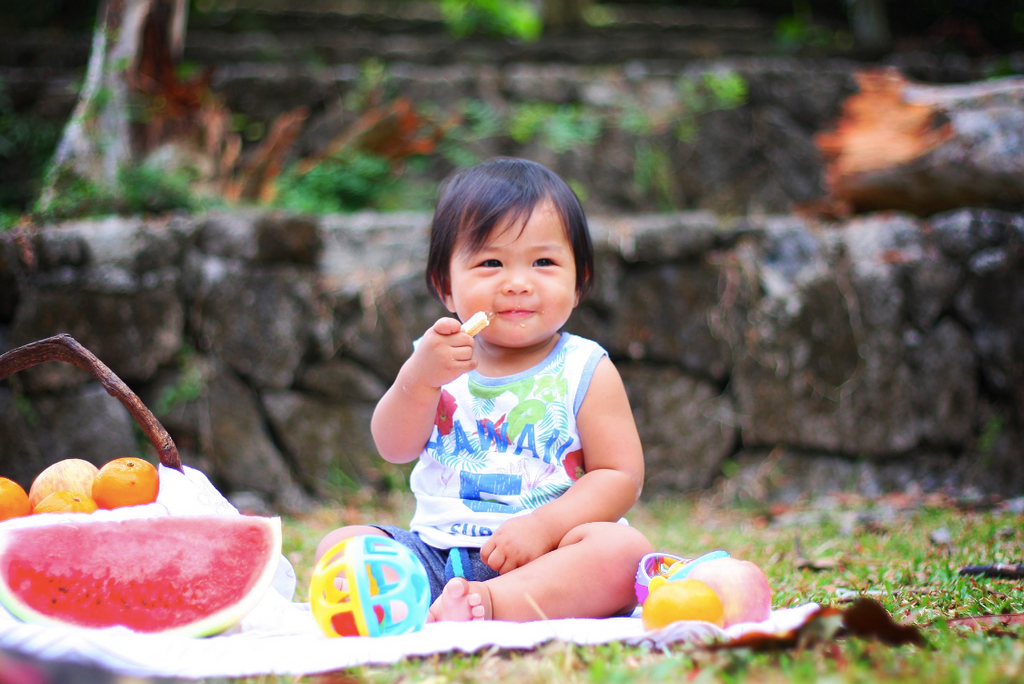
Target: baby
[(527, 452)]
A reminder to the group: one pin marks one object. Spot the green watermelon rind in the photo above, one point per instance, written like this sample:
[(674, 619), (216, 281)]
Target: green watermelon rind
[(210, 625)]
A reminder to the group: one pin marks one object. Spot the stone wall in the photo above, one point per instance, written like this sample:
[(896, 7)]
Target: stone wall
[(877, 354), (659, 141)]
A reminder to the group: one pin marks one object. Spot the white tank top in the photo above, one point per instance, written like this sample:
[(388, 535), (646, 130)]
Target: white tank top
[(502, 446)]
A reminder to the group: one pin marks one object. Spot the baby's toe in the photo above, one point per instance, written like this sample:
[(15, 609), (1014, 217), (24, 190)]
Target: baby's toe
[(456, 588)]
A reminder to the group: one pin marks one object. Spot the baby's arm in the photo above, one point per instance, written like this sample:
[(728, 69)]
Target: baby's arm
[(614, 464), (404, 417)]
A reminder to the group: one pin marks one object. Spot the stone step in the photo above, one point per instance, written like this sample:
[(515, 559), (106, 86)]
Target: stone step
[(261, 89), (758, 156), (303, 54), (424, 17), (256, 34), (325, 46), (328, 47)]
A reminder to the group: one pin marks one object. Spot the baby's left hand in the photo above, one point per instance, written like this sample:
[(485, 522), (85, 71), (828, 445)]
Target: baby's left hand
[(516, 542)]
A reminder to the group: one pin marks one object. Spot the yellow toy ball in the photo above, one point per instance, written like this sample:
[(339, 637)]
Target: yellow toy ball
[(369, 585)]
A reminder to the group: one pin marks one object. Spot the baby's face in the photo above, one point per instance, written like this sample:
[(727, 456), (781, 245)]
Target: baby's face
[(525, 280)]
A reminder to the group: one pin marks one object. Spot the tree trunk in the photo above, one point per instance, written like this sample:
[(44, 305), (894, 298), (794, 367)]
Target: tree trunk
[(134, 112), (98, 141), (924, 149)]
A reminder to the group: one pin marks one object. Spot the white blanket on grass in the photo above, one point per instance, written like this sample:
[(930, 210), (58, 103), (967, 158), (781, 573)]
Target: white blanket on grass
[(270, 649), (281, 637)]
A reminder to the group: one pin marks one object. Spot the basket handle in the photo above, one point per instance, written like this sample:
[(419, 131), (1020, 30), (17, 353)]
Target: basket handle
[(65, 348)]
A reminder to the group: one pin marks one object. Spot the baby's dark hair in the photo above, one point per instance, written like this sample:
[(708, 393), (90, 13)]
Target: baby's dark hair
[(501, 192)]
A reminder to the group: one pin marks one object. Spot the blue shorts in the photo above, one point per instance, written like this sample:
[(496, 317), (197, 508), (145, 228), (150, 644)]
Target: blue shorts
[(441, 564)]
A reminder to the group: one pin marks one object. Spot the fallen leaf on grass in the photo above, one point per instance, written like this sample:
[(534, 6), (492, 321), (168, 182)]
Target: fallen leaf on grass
[(868, 618), (987, 621)]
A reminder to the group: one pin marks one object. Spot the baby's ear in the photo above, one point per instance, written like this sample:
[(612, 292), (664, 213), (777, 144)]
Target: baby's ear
[(442, 293), (449, 302)]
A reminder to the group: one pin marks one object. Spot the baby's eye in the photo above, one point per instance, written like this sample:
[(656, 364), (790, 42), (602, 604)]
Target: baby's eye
[(544, 262), (491, 263)]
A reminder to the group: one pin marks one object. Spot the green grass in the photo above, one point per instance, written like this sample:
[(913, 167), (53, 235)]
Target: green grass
[(896, 550)]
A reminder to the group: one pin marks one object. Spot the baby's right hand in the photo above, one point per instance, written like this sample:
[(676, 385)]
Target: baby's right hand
[(443, 354)]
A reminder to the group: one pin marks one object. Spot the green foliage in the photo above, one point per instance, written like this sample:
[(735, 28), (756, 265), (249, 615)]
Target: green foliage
[(652, 173), (74, 196), (338, 482), (799, 30), (395, 478), (527, 120), (188, 386), (558, 127), (147, 188), (725, 89), (99, 101), (637, 120), (517, 19), (480, 121), (354, 179), (561, 128), (372, 85), (709, 92), (8, 219), (348, 181)]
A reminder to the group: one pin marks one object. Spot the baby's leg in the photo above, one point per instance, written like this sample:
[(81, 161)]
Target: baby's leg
[(462, 601), (591, 574)]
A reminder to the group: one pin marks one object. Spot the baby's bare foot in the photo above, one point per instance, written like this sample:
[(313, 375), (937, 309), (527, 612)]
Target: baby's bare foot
[(461, 601)]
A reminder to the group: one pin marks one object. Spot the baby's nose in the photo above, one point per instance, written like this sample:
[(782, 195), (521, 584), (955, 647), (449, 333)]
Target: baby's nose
[(517, 283)]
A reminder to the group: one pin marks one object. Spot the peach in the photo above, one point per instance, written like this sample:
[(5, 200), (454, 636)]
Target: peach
[(742, 587), (70, 475)]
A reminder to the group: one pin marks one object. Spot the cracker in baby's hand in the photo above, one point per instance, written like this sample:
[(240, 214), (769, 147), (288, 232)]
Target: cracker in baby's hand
[(476, 323)]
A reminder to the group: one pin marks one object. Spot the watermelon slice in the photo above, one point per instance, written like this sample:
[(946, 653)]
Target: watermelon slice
[(188, 575)]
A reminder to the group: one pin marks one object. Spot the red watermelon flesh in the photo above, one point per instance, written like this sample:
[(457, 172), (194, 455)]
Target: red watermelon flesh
[(192, 575)]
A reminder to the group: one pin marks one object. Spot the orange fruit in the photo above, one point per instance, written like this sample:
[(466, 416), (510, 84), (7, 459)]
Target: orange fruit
[(13, 500), (685, 599), (65, 502), (126, 481), (69, 475)]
